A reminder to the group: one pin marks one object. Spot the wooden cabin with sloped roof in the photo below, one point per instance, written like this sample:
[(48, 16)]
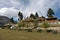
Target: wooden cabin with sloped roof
[(40, 20), (51, 20)]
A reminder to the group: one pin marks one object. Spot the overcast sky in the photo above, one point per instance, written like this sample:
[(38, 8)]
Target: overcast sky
[(10, 8)]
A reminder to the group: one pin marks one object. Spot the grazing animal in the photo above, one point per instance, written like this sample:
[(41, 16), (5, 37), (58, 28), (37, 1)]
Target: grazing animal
[(48, 31)]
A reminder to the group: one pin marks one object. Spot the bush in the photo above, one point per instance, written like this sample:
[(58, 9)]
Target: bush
[(55, 32), (29, 30), (45, 25), (39, 30), (19, 28)]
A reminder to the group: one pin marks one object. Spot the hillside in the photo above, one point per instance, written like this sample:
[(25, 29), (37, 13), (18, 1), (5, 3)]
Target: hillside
[(4, 20)]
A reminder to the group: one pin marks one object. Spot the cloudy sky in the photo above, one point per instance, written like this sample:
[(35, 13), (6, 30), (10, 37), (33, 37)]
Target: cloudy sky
[(10, 8)]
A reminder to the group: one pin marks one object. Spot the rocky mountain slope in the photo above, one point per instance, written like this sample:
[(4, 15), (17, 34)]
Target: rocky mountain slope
[(4, 20)]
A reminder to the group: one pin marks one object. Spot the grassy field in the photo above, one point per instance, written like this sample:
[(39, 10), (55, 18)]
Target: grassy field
[(23, 35)]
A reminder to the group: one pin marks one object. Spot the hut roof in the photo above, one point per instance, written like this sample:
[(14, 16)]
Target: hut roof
[(51, 18)]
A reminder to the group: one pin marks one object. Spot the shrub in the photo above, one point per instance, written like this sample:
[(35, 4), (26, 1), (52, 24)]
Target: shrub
[(45, 25), (29, 30), (19, 28), (39, 30), (55, 32), (21, 23)]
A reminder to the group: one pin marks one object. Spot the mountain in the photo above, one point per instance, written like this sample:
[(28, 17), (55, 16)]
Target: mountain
[(4, 20)]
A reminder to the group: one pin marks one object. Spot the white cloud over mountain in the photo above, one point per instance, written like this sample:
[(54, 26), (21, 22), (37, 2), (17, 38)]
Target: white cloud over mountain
[(10, 8), (9, 12)]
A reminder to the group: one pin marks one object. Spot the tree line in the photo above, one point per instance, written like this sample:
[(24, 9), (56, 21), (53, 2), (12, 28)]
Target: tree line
[(50, 13)]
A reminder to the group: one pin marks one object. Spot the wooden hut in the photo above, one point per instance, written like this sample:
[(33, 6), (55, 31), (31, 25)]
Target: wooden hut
[(51, 20)]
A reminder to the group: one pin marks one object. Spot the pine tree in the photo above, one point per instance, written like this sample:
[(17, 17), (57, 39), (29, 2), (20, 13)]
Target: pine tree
[(32, 16), (36, 15), (50, 13), (20, 16), (12, 20)]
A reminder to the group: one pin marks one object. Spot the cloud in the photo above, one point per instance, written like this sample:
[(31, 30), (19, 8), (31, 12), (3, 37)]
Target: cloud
[(10, 8), (9, 12), (41, 6)]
